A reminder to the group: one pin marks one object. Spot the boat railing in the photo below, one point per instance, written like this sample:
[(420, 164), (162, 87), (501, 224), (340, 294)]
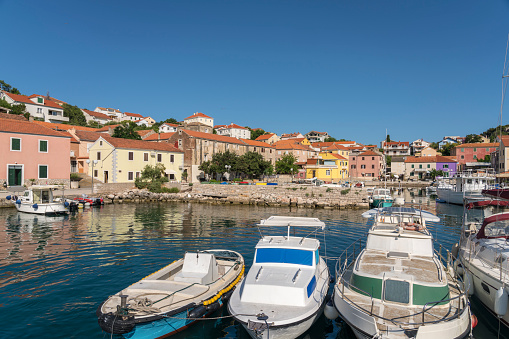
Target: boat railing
[(348, 255)]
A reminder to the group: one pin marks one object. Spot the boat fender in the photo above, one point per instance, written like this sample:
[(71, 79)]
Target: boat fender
[(35, 206), (114, 324), (330, 311), (458, 268), (332, 280), (473, 320), (501, 302), (18, 202), (468, 283), (66, 204), (455, 249), (213, 307), (227, 295), (198, 312), (8, 197)]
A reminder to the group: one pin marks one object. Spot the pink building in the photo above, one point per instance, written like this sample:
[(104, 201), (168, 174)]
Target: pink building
[(367, 165), (473, 152), (32, 153)]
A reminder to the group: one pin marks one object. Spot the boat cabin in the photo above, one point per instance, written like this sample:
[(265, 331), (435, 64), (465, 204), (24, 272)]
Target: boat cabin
[(38, 194)]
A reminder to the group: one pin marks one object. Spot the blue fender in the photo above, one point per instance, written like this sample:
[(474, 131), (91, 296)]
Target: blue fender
[(35, 206)]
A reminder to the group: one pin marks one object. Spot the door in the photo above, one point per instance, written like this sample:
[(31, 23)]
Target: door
[(15, 175), (105, 177)]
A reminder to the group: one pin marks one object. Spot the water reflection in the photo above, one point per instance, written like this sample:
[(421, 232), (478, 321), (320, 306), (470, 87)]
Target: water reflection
[(62, 268)]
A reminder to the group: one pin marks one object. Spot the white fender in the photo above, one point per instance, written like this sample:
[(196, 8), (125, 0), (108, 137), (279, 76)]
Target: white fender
[(455, 249), (458, 267), (501, 302), (330, 311)]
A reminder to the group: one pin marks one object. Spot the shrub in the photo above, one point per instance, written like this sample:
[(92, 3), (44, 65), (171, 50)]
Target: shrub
[(328, 190), (191, 184), (321, 195), (307, 194), (343, 192), (74, 177)]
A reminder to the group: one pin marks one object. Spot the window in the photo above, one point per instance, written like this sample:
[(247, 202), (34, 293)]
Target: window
[(145, 156), (353, 166), (180, 141), (15, 144), (43, 146), (131, 155), (446, 166), (463, 150), (159, 157), (172, 176), (40, 100), (420, 166), (137, 175), (100, 143), (353, 158), (487, 149), (397, 291), (412, 166), (372, 158), (362, 158), (429, 165), (284, 256), (96, 173), (172, 158), (462, 157), (475, 156), (475, 149), (327, 172), (39, 110), (43, 171), (372, 166), (98, 155), (363, 166), (130, 176)]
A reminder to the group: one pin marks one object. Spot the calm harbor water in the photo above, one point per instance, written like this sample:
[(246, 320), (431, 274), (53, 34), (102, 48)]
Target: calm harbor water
[(55, 271)]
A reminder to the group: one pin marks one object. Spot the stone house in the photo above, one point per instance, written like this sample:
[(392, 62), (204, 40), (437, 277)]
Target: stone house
[(269, 138), (268, 152)]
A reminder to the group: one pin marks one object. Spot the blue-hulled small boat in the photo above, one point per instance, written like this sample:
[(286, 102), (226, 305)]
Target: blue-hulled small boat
[(381, 197), (173, 298)]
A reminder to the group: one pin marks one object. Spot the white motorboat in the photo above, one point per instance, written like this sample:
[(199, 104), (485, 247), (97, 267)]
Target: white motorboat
[(381, 197), (285, 290), (465, 185), (484, 256), (39, 199), (173, 298), (397, 286)]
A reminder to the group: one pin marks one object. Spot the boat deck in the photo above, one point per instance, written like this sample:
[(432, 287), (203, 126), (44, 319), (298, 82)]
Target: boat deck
[(399, 320), (421, 269)]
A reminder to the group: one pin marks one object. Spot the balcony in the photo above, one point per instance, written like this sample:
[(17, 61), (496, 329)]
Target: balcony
[(55, 117)]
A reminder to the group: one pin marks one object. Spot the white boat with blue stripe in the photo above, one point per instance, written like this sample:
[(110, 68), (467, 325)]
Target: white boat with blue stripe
[(285, 290)]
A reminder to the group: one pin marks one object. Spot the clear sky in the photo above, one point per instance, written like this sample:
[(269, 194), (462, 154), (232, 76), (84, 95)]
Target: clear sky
[(419, 68)]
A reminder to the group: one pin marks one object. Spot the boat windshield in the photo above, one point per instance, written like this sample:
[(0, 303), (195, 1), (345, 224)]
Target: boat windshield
[(284, 256), (499, 228)]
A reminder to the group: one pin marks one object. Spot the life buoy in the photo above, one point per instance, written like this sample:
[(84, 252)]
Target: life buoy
[(412, 226)]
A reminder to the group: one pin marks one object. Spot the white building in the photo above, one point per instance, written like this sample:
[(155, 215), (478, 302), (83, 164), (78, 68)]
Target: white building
[(200, 118), (132, 117), (96, 116), (168, 128), (111, 112), (418, 145), (234, 131), (315, 136), (38, 106)]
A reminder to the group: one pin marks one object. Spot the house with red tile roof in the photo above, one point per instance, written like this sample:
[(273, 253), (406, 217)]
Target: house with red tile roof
[(401, 148), (294, 135), (473, 152), (131, 117), (301, 152), (114, 113), (100, 118), (159, 137), (31, 151), (366, 165), (328, 167), (145, 133), (199, 147), (269, 138), (315, 136), (65, 127), (420, 167), (168, 128), (234, 131), (199, 118), (118, 160), (80, 151), (60, 102), (38, 106)]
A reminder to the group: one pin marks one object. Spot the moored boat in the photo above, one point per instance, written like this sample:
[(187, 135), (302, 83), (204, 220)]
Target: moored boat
[(467, 185), (173, 298), (397, 286), (285, 289), (381, 197), (38, 199), (483, 256)]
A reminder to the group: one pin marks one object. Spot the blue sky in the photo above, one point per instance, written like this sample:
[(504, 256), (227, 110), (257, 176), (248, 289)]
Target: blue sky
[(421, 69)]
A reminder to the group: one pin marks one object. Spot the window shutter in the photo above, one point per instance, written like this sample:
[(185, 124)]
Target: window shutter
[(43, 172), (43, 146), (16, 144)]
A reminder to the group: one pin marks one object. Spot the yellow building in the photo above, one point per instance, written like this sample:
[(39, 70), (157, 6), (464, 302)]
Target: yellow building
[(328, 167), (117, 160)]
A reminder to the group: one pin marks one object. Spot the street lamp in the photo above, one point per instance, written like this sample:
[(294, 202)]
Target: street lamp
[(94, 162), (228, 168)]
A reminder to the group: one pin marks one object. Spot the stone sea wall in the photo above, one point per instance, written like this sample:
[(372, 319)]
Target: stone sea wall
[(290, 195)]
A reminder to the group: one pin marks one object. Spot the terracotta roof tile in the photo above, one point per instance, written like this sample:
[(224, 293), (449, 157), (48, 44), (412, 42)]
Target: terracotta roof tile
[(265, 136), (140, 144), (136, 115), (88, 136), (144, 132), (28, 127), (397, 143), (26, 100), (437, 158), (215, 137), (159, 136), (12, 117), (65, 127), (478, 144), (198, 114), (257, 143), (97, 114)]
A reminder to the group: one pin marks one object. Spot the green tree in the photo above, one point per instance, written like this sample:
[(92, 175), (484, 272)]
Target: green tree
[(436, 173), (126, 130), (434, 145), (447, 148), (152, 177), (94, 124), (75, 115), (156, 126), (286, 164), (487, 158), (218, 163), (388, 160), (14, 109), (330, 139), (473, 138), (256, 133), (388, 138), (252, 164), (8, 88)]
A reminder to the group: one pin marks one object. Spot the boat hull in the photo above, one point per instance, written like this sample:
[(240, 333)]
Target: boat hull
[(51, 208), (490, 283), (457, 198), (382, 202)]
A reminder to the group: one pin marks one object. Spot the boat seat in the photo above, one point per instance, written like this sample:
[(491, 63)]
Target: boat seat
[(198, 268)]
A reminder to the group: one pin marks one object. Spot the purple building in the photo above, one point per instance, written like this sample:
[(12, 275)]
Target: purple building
[(447, 164)]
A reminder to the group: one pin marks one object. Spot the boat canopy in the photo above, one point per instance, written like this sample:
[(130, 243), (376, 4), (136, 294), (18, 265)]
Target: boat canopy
[(495, 226), (279, 221), (428, 216)]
